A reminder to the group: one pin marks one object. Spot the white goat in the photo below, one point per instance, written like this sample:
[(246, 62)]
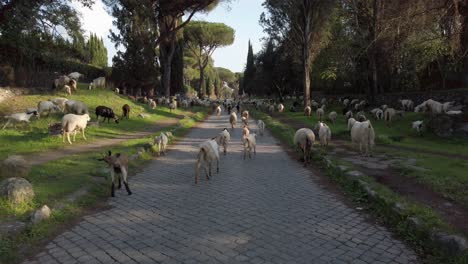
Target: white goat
[(320, 113), (348, 115), (18, 118), (304, 138), (152, 104), (207, 154), (73, 123), (351, 122), (390, 113), (161, 141), (218, 110), (417, 125), (280, 108), (362, 134), (233, 119), (307, 111), (223, 139), (249, 143), (332, 116), (406, 104), (324, 134)]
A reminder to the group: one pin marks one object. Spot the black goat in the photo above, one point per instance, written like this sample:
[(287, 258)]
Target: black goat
[(106, 112), (126, 111)]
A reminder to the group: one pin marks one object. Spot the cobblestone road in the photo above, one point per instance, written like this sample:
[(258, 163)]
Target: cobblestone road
[(264, 210)]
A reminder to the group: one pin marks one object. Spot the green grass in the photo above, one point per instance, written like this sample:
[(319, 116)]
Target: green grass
[(35, 138), (55, 180)]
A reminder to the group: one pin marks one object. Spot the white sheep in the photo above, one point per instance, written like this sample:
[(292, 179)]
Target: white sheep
[(207, 154), (75, 75), (417, 125), (67, 89), (246, 114), (383, 107), (172, 106), (308, 111), (406, 104), (73, 123), (161, 141), (60, 102), (378, 113), (348, 115), (346, 102), (47, 107), (218, 110), (430, 105), (362, 134), (223, 139), (90, 86), (390, 113), (351, 122), (280, 108), (76, 107), (320, 113), (244, 121), (249, 143), (152, 104), (446, 106), (117, 90), (233, 119), (332, 116), (261, 127), (304, 138), (360, 116), (19, 118), (324, 134)]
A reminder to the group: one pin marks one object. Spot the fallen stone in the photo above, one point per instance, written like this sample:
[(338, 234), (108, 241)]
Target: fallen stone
[(41, 214), (16, 190), (14, 166), (453, 244), (354, 174)]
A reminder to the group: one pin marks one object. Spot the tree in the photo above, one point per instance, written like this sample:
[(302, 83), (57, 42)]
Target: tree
[(202, 39), (249, 73), (306, 22)]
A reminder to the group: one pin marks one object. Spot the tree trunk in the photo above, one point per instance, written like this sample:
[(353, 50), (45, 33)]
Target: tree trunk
[(202, 79), (373, 54), (167, 51), (306, 74)]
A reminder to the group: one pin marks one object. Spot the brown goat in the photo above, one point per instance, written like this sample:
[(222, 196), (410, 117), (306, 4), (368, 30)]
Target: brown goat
[(125, 111), (117, 164)]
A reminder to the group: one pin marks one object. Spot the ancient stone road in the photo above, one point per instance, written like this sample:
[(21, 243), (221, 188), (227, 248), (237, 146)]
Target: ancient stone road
[(265, 210)]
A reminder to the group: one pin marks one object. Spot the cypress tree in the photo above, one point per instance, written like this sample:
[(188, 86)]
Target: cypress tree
[(249, 73)]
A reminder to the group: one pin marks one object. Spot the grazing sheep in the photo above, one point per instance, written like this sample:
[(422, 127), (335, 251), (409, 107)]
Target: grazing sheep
[(390, 113), (125, 111), (307, 111), (361, 117), (332, 116), (446, 106), (233, 119), (378, 113), (249, 143), (18, 118), (406, 104), (60, 102), (417, 125), (118, 164), (72, 85), (152, 104), (261, 127), (73, 123), (208, 153), (161, 141), (320, 113), (106, 112), (433, 106), (67, 89), (99, 82), (383, 107), (348, 115), (61, 82), (223, 139), (351, 122), (362, 134), (280, 108), (324, 134), (218, 110), (76, 107), (304, 138), (47, 107)]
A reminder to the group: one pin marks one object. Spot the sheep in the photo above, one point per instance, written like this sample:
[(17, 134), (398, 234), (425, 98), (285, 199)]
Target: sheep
[(323, 101), (354, 101), (261, 127), (390, 113), (245, 131), (446, 106), (75, 75), (60, 82), (117, 164), (304, 138), (348, 115), (218, 110), (76, 107), (73, 123), (362, 134), (223, 139), (320, 113), (324, 134), (117, 90), (249, 143), (244, 121), (233, 119), (46, 107), (417, 125), (60, 102), (185, 103), (351, 122), (271, 109), (360, 116), (72, 85), (346, 102), (99, 82), (152, 104), (406, 104), (378, 113), (67, 89), (383, 107), (332, 116), (90, 86), (106, 112), (207, 154), (18, 118), (125, 111), (161, 141), (172, 106), (314, 104), (245, 114), (307, 111), (280, 108)]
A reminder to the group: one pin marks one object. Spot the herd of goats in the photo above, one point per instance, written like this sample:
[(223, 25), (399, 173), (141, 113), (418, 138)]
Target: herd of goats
[(76, 118)]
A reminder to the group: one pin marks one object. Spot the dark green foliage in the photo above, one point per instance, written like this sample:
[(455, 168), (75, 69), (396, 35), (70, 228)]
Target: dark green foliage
[(248, 83)]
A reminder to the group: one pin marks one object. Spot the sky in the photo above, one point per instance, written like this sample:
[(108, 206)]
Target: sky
[(242, 15)]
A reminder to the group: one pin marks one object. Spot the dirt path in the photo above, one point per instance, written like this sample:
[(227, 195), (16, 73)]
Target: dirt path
[(383, 168), (98, 145)]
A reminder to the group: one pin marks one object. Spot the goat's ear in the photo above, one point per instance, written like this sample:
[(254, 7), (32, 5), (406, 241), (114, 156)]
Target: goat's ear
[(109, 153)]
